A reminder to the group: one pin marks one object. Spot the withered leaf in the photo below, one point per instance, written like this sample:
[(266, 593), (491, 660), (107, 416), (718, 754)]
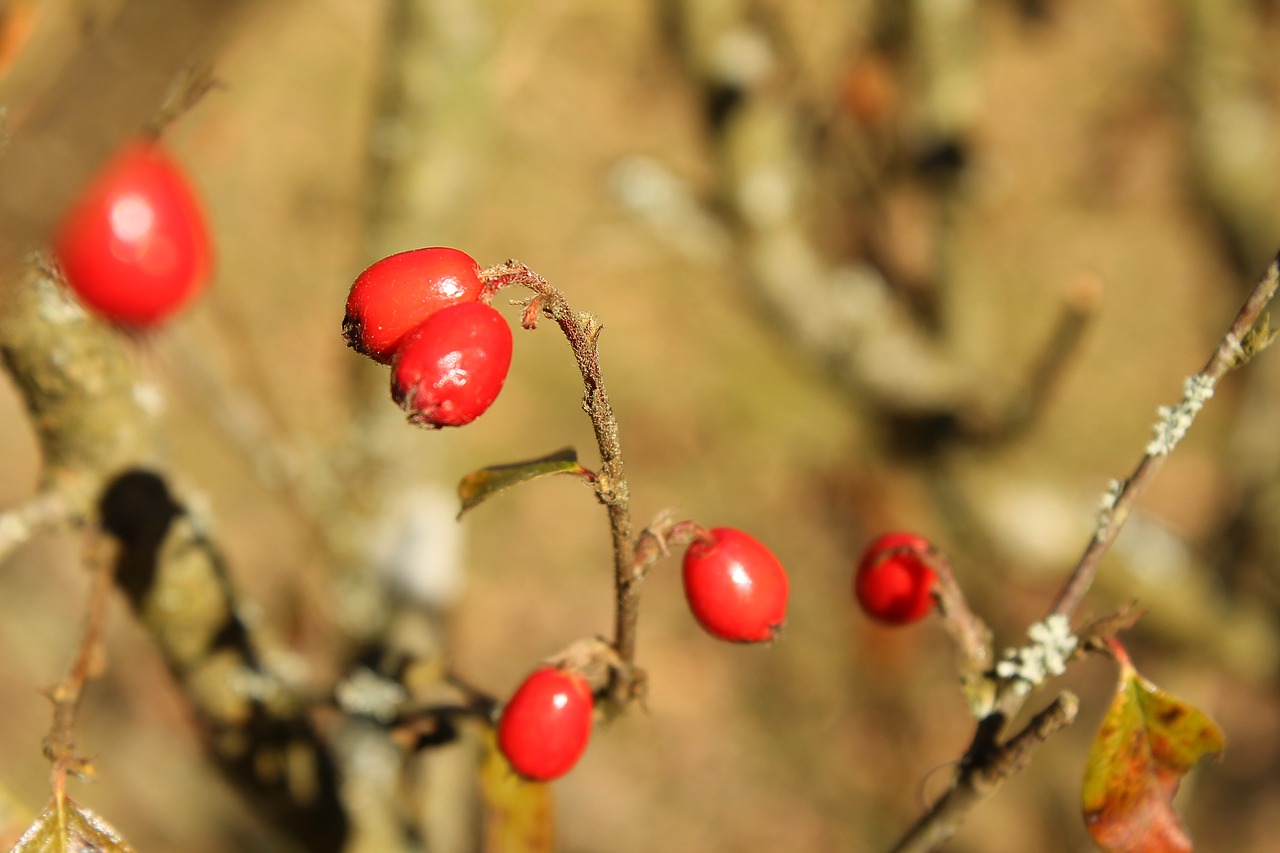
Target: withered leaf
[(1147, 742), (68, 827)]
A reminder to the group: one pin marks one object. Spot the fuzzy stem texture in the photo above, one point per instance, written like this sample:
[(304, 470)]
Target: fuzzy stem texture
[(582, 331)]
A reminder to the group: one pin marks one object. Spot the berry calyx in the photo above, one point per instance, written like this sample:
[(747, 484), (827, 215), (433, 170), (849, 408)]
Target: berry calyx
[(396, 294), (735, 586), (135, 247), (894, 582), (450, 368), (545, 726)]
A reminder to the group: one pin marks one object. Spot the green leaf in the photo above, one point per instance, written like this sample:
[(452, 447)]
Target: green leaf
[(519, 816), (1148, 741), (70, 829), (479, 486)]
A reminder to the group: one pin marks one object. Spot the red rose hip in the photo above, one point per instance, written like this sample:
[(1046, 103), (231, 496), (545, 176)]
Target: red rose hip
[(397, 293), (893, 582), (450, 368), (735, 586), (135, 247), (545, 726)]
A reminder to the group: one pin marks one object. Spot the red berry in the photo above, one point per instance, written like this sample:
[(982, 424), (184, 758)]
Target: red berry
[(450, 368), (397, 293), (894, 583), (134, 246), (736, 588), (545, 727)]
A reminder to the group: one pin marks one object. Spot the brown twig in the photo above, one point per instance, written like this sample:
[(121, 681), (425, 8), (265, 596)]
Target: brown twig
[(582, 331), (1245, 338), (59, 743), (1081, 298), (971, 634), (982, 775)]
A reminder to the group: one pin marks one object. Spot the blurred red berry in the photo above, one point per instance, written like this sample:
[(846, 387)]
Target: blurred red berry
[(450, 368), (735, 586), (545, 727), (134, 246), (894, 583), (399, 292)]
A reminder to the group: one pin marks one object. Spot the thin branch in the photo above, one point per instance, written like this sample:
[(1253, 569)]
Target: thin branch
[(176, 581), (80, 388), (1248, 335), (970, 633), (983, 774), (582, 331), (59, 743), (1080, 302), (1244, 339)]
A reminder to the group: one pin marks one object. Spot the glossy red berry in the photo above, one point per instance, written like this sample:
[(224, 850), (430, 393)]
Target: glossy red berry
[(735, 586), (450, 368), (894, 583), (545, 727), (135, 246), (394, 295)]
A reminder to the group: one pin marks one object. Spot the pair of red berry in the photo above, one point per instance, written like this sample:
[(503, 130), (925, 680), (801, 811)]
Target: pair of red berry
[(421, 312), (737, 591), (134, 246)]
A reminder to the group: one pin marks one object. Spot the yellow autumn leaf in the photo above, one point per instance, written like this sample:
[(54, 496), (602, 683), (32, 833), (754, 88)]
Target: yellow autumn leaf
[(1147, 742), (67, 827)]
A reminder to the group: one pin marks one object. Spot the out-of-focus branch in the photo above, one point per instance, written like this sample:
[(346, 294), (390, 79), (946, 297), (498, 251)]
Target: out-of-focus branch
[(1233, 126), (398, 549), (260, 733), (78, 386), (60, 744), (857, 316), (983, 774), (19, 524), (96, 437), (64, 117), (970, 634)]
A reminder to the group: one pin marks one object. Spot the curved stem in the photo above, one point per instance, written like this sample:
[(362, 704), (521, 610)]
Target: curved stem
[(582, 331)]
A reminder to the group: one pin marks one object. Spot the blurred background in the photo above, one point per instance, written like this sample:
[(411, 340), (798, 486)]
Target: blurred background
[(861, 266)]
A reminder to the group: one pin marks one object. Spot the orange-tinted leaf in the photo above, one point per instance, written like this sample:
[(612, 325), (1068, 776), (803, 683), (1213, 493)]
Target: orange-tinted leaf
[(481, 485), (71, 829), (1148, 741), (519, 815)]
